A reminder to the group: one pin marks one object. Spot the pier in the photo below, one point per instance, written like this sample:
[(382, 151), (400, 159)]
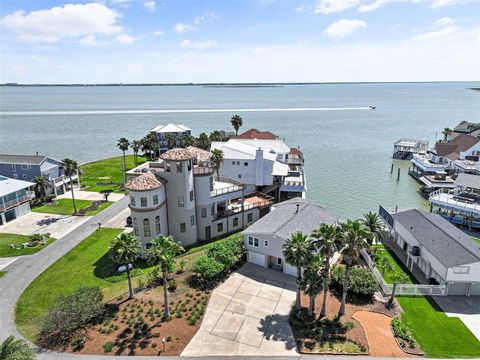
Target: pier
[(404, 149)]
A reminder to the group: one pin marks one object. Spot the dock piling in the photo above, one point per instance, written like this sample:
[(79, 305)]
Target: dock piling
[(398, 174), (391, 169)]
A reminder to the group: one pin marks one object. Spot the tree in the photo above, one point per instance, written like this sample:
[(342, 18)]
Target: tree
[(329, 238), (397, 278), (162, 252), (355, 236), (171, 141), (385, 266), (16, 349), (312, 281), (106, 194), (203, 141), (123, 144), (236, 122), (217, 158), (218, 136), (375, 225), (187, 140), (71, 168), (207, 268), (136, 146), (298, 252), (125, 249), (446, 133), (41, 186)]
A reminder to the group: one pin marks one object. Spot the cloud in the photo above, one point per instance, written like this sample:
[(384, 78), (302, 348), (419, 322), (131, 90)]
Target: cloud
[(150, 5), (182, 28), (207, 44), (332, 6), (432, 35), (343, 27), (159, 32), (89, 40), (207, 16), (373, 5), (444, 21), (57, 23), (124, 39), (442, 3)]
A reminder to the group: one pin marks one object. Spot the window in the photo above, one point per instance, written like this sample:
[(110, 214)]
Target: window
[(168, 166), (265, 243), (192, 220), (203, 212), (24, 176), (239, 176), (212, 210), (179, 167), (255, 242), (279, 261), (191, 195), (143, 202), (461, 269), (157, 225), (132, 200), (245, 163), (235, 221), (250, 217), (238, 162), (146, 227), (183, 227), (181, 201), (219, 227), (135, 227), (250, 240), (155, 199), (189, 166), (211, 183), (233, 162), (24, 167)]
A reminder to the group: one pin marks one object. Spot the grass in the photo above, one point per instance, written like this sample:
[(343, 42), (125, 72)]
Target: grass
[(13, 239), (438, 335), (398, 266), (476, 239), (65, 207), (106, 171), (2, 273), (205, 245)]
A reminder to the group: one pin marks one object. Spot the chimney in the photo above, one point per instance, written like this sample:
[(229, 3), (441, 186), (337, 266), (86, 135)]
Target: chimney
[(298, 207)]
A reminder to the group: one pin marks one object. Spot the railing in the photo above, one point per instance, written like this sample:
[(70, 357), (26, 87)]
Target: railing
[(62, 178), (200, 170), (9, 204), (240, 208), (295, 161), (236, 186), (424, 161), (449, 199)]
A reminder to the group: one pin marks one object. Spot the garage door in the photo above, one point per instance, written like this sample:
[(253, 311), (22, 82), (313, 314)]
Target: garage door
[(457, 289), (289, 269), (475, 289), (256, 258)]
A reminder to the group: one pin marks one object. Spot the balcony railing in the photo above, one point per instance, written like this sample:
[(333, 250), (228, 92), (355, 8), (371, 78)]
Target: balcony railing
[(236, 186), (238, 208), (22, 199), (200, 170)]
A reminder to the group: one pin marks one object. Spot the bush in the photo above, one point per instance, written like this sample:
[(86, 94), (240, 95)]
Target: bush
[(16, 349), (78, 342), (70, 313), (222, 253), (208, 268), (172, 285), (402, 331), (362, 281), (108, 347)]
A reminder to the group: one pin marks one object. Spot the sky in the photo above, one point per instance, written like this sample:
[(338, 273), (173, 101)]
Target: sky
[(177, 41)]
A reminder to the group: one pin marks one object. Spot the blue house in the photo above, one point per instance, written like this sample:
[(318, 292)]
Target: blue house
[(178, 131), (14, 198), (27, 167)]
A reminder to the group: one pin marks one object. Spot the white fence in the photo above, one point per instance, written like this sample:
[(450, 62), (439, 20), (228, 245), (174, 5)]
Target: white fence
[(402, 289)]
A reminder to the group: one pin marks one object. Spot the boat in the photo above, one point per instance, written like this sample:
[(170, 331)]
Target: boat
[(372, 107)]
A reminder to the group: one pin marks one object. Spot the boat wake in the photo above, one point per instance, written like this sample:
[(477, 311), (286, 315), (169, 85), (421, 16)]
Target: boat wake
[(174, 111)]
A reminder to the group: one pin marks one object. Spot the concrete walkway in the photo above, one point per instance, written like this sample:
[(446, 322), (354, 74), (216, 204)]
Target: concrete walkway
[(90, 195)]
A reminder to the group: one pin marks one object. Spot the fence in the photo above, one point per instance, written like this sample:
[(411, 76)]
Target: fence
[(402, 289)]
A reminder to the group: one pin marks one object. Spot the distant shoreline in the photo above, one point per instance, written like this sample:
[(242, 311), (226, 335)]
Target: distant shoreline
[(234, 85)]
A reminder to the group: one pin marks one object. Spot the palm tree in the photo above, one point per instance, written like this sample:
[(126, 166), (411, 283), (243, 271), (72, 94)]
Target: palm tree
[(446, 133), (41, 186), (71, 168), (218, 136), (16, 349), (203, 141), (312, 281), (375, 225), (217, 158), (187, 140), (123, 144), (330, 239), (163, 252), (385, 266), (125, 249), (298, 252), (171, 140), (397, 278), (355, 236), (236, 122), (136, 146), (151, 143)]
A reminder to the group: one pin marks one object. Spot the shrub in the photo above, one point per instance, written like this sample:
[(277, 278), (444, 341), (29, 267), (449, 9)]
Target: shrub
[(70, 313), (172, 285), (362, 281), (402, 331), (108, 347), (169, 338), (13, 349), (78, 342), (223, 254), (208, 268)]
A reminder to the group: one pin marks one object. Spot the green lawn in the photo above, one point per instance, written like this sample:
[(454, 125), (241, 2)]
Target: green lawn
[(2, 273), (398, 266), (476, 239), (65, 207), (439, 335), (106, 171), (13, 239)]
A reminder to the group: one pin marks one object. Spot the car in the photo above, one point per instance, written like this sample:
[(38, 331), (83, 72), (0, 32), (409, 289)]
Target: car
[(129, 221)]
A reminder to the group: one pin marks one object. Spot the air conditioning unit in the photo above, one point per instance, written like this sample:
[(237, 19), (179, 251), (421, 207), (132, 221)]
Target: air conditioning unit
[(416, 251)]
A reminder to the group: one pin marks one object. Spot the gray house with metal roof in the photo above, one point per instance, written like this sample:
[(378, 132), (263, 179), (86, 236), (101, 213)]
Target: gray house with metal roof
[(264, 239), (441, 250)]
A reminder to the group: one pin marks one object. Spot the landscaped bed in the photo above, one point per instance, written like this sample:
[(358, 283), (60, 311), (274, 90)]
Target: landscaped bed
[(396, 264), (18, 245), (65, 207)]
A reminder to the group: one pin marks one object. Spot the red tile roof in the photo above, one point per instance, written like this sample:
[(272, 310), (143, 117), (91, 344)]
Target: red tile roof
[(256, 134), (144, 182), (295, 151)]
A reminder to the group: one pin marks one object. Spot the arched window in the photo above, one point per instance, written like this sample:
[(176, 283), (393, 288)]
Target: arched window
[(211, 183), (146, 227), (157, 225), (135, 227)]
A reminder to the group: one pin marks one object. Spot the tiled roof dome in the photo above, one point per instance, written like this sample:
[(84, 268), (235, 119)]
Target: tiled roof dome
[(200, 154), (177, 154), (144, 182)]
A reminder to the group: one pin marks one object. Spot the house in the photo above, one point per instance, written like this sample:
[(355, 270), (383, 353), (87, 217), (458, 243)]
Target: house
[(175, 130), (268, 166), (180, 195), (264, 239), (256, 134), (443, 253), (14, 198), (27, 167), (466, 127)]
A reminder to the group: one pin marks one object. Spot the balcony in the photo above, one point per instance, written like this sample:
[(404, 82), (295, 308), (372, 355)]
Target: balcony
[(4, 206), (201, 170), (63, 180), (224, 185), (427, 164), (252, 202), (467, 203)]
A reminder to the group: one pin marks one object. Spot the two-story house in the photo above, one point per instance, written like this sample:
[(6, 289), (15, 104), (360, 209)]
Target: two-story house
[(14, 198), (177, 131)]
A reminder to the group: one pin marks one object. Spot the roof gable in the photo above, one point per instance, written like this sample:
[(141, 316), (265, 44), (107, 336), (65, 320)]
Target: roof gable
[(256, 134)]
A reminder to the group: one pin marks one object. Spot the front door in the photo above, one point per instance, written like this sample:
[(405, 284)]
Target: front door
[(208, 232)]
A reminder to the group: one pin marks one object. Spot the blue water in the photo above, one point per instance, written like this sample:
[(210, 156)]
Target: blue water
[(348, 153)]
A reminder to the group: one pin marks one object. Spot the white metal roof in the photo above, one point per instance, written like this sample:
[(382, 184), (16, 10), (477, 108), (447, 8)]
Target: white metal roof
[(170, 128), (278, 146), (8, 185)]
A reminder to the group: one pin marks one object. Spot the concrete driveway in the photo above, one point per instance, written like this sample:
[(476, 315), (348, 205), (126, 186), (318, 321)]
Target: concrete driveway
[(465, 308), (248, 315), (90, 195)]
